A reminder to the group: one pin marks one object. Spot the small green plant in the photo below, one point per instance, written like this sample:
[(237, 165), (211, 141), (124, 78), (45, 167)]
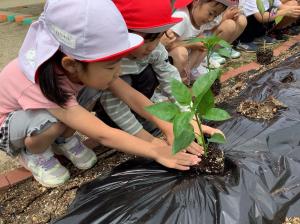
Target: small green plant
[(199, 101), (272, 9), (262, 10), (212, 44)]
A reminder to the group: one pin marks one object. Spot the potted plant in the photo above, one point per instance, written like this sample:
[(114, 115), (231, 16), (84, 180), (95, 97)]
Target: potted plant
[(264, 55)]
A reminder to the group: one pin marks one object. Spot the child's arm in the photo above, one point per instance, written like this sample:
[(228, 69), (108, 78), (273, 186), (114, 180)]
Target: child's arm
[(289, 11), (137, 102), (165, 71), (79, 119)]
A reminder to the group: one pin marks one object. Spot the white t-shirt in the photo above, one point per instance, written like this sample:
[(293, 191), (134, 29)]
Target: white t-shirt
[(185, 28), (249, 6)]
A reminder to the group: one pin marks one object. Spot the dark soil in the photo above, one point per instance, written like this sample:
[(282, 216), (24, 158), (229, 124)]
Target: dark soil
[(216, 87), (212, 163), (266, 110), (292, 220), (264, 56)]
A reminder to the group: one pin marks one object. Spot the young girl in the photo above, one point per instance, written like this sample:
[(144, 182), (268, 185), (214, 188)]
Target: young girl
[(258, 25), (73, 44), (199, 16)]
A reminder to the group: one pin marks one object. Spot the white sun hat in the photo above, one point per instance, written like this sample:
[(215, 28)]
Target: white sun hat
[(87, 30)]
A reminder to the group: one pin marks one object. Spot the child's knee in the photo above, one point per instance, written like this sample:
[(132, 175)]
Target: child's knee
[(228, 26), (180, 55), (241, 22)]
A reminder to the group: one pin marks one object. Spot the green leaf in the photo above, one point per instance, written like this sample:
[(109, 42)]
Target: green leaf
[(271, 3), (181, 93), (182, 121), (260, 6), (204, 82), (206, 103), (224, 44), (216, 114), (185, 138), (217, 138), (197, 39), (278, 19), (165, 110), (213, 40), (226, 52)]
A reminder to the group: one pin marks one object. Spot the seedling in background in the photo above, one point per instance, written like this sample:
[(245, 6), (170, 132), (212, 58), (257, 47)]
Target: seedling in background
[(212, 44), (272, 8)]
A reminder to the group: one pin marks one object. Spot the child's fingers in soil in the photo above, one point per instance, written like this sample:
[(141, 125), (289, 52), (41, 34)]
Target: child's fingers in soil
[(188, 158), (195, 149)]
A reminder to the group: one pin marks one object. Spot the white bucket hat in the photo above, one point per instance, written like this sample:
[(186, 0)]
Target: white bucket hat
[(87, 30)]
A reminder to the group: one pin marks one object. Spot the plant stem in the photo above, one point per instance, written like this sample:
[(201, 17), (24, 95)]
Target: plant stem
[(208, 62), (201, 134)]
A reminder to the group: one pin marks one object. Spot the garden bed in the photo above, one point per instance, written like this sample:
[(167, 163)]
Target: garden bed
[(28, 202)]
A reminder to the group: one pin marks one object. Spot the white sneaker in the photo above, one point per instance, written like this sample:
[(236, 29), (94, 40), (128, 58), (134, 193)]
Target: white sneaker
[(45, 168), (233, 53), (216, 57), (197, 72), (213, 63), (81, 156)]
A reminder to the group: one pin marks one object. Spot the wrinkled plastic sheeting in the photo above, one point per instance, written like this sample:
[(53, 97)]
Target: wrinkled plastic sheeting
[(261, 185)]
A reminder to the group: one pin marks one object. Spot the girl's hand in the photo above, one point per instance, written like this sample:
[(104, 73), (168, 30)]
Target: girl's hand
[(179, 161), (193, 148), (159, 142), (206, 129), (215, 131)]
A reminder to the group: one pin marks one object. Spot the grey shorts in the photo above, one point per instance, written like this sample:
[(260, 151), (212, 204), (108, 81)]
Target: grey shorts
[(27, 123)]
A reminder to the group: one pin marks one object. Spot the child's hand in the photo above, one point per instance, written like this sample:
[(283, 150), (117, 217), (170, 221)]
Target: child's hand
[(179, 161), (195, 149), (231, 13), (292, 11), (206, 129), (168, 38), (215, 131), (159, 142)]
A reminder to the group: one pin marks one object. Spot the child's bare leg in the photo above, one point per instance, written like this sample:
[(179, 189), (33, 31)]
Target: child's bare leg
[(226, 30), (230, 30), (241, 24), (36, 130), (195, 58), (180, 57), (39, 143)]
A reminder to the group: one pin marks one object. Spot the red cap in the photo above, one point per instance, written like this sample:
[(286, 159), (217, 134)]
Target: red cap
[(147, 16), (182, 3)]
